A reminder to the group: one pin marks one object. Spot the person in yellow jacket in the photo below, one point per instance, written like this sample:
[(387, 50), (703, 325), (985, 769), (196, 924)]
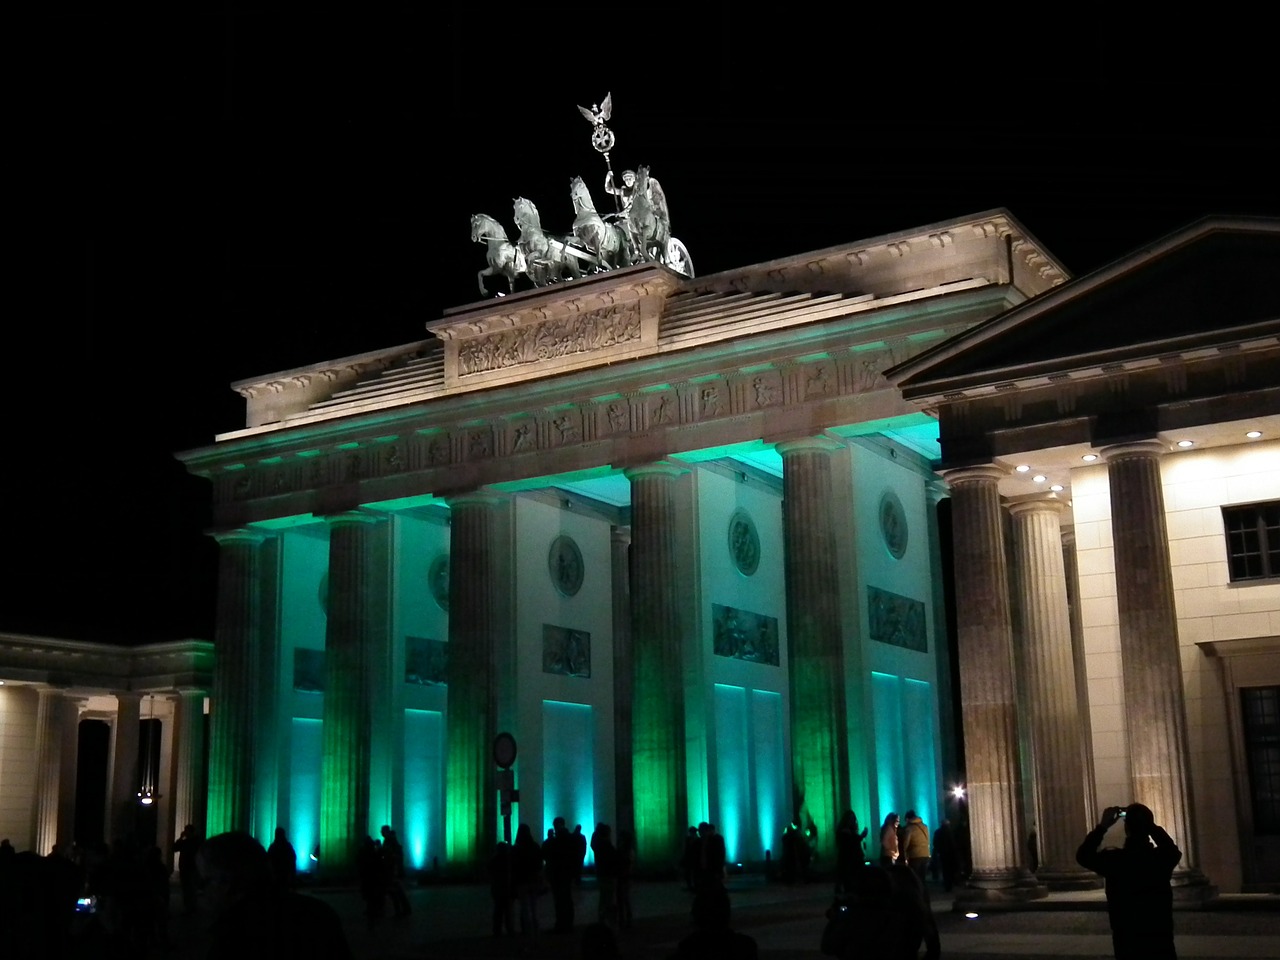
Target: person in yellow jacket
[(913, 842)]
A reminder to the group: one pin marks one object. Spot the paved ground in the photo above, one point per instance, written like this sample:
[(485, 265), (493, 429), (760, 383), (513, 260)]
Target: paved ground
[(451, 922)]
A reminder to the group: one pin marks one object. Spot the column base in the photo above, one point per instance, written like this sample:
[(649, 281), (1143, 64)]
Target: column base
[(1070, 880), (1191, 890), (996, 888)]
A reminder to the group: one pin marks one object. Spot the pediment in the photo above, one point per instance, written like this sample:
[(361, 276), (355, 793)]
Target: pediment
[(1208, 287)]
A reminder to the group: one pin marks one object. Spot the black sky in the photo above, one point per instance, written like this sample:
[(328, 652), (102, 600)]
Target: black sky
[(234, 190)]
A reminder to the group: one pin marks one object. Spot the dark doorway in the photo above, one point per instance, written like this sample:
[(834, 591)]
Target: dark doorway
[(91, 780)]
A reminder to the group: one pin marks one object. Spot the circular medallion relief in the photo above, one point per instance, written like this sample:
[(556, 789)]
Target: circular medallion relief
[(438, 581), (564, 563), (893, 524), (744, 542)]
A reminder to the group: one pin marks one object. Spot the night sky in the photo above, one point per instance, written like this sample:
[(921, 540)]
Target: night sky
[(214, 196)]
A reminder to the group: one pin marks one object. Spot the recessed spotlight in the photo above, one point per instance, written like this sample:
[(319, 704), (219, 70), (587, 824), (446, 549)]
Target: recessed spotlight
[(971, 916), (1056, 488), (1022, 468), (1089, 457), (1039, 478), (1254, 434), (1185, 443)]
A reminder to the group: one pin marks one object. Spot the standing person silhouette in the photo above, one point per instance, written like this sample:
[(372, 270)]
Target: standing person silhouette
[(1139, 896)]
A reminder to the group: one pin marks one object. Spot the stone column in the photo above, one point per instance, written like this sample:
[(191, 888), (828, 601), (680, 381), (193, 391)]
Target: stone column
[(815, 640), (239, 626), (356, 632), (984, 627), (1056, 731), (188, 733), (122, 799), (1154, 703), (620, 583), (659, 777), (69, 758), (479, 602), (50, 717), (936, 492), (1082, 675)]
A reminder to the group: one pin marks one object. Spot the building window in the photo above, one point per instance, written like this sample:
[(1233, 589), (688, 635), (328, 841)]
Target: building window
[(1260, 713), (1253, 540)]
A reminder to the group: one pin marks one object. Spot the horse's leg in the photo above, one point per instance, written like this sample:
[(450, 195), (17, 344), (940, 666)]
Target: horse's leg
[(480, 279)]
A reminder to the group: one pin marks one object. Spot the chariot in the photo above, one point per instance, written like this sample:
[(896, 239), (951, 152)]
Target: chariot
[(638, 231)]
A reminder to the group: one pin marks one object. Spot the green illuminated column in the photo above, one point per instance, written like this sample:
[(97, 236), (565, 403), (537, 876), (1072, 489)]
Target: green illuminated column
[(1154, 702), (657, 706), (620, 579), (354, 637), (239, 625), (815, 643), (479, 624), (1056, 732), (988, 701)]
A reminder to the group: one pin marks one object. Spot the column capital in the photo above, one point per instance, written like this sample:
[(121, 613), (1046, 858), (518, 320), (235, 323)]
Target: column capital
[(1145, 449), (987, 471), (818, 444), (348, 518), (659, 468), (239, 535), (478, 498), (1035, 503)]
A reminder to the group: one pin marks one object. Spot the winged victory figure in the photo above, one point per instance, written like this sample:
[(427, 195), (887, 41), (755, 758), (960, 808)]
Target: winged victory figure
[(600, 114)]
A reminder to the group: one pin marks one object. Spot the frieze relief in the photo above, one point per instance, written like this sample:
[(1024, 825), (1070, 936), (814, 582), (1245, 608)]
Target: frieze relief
[(550, 339), (687, 402)]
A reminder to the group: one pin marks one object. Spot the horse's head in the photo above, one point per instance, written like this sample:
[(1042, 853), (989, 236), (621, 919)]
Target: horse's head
[(642, 179), (580, 195), (484, 227), (526, 214)]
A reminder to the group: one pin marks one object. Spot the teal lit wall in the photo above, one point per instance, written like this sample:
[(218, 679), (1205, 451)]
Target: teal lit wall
[(770, 773), (304, 789), (906, 757), (423, 786), (733, 775), (568, 765)]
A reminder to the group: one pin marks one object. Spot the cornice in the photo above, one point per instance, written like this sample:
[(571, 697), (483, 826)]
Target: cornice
[(80, 665)]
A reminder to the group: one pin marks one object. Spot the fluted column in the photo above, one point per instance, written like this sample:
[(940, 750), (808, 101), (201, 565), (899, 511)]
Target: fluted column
[(1154, 703), (620, 580), (815, 641), (1051, 690), (659, 776), (988, 700), (1070, 568), (69, 757), (479, 601), (188, 733), (239, 626), (355, 633), (123, 797), (50, 716)]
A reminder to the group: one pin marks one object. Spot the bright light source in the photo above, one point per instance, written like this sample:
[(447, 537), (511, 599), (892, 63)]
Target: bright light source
[(957, 792), (971, 916), (1185, 443), (1039, 478), (1089, 457), (1056, 488), (1022, 468), (1254, 434)]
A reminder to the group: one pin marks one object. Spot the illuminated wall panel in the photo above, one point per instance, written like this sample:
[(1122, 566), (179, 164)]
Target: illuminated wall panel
[(886, 708), (423, 787), (568, 765), (733, 782), (304, 789), (918, 751), (770, 770)]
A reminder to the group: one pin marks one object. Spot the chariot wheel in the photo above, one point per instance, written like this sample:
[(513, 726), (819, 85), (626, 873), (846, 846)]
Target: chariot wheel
[(678, 259)]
